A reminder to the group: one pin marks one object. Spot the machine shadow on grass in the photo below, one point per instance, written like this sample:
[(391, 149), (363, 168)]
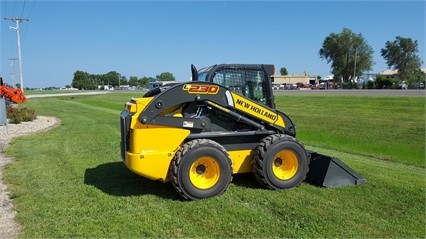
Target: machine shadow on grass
[(246, 180), (115, 179)]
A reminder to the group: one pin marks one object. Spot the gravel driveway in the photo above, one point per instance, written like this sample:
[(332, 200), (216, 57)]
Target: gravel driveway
[(9, 228)]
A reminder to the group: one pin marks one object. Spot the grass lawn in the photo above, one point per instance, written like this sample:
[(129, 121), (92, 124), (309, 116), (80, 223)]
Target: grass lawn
[(40, 92), (388, 128), (70, 181)]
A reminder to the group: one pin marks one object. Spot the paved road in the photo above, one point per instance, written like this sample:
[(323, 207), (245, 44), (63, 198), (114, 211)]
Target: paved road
[(353, 92), (68, 94), (276, 92)]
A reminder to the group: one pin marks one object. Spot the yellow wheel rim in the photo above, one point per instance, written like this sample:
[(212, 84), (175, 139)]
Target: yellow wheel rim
[(285, 164), (204, 172)]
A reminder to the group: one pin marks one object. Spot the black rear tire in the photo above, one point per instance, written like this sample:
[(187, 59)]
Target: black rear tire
[(280, 162), (201, 169)]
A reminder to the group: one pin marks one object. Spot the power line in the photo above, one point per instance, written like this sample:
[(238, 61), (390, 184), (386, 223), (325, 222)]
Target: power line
[(31, 9), (18, 20), (23, 8)]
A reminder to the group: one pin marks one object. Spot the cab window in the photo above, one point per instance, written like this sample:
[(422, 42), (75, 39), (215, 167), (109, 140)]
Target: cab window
[(249, 83)]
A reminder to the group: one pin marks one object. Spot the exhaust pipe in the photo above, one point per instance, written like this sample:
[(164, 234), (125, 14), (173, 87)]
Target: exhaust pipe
[(331, 172)]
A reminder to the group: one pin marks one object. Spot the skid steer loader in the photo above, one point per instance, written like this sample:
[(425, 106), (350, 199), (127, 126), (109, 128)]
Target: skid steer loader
[(199, 133)]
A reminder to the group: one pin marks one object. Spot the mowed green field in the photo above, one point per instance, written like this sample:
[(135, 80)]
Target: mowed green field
[(71, 182), (383, 127)]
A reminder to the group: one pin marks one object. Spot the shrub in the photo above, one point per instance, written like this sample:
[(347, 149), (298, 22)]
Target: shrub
[(18, 115), (383, 82), (370, 84)]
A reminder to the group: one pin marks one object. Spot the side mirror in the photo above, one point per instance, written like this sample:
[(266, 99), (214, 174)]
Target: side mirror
[(194, 73)]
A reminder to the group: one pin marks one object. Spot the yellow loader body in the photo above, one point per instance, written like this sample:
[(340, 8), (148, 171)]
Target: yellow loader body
[(198, 134)]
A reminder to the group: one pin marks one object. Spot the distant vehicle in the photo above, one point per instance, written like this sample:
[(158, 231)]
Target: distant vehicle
[(288, 87), (329, 77), (419, 85), (404, 86)]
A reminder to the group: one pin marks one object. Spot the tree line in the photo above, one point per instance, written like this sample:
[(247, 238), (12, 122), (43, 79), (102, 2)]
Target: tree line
[(349, 54), (86, 81)]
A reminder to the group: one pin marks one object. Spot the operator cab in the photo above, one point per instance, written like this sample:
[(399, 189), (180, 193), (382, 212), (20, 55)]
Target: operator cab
[(251, 81)]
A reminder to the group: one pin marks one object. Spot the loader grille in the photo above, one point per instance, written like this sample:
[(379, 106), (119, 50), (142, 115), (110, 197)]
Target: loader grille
[(125, 119)]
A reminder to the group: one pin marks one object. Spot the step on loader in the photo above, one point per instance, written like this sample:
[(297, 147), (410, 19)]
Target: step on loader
[(199, 133)]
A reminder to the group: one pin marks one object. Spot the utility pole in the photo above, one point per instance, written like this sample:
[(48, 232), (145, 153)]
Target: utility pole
[(17, 20), (356, 53)]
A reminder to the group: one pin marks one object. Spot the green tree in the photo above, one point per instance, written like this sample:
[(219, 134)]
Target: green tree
[(349, 54), (112, 78), (416, 78), (123, 80), (82, 81), (402, 55), (283, 71), (134, 81), (144, 81), (96, 79), (166, 76)]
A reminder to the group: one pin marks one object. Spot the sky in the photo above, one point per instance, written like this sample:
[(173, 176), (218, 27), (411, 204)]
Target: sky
[(145, 38)]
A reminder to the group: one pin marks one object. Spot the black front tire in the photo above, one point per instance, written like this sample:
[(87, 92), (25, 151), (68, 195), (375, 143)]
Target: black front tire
[(280, 162), (201, 169)]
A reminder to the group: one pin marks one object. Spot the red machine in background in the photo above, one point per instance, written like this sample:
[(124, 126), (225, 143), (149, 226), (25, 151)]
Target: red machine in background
[(14, 95)]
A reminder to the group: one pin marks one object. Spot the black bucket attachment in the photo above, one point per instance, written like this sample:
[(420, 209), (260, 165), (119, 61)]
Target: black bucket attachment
[(331, 172)]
